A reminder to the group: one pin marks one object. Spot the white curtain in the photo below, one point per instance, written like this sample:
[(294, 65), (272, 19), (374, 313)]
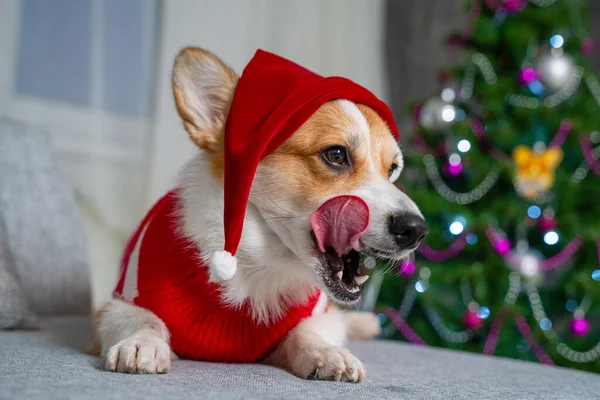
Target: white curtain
[(84, 71), (331, 37), (96, 75)]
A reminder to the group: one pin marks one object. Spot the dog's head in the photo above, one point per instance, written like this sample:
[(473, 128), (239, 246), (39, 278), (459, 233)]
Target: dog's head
[(342, 149)]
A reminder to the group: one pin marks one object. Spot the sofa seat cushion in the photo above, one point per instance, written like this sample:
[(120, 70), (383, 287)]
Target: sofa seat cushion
[(49, 364)]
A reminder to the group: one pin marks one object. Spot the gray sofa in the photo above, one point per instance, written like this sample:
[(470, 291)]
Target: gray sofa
[(45, 284), (49, 364)]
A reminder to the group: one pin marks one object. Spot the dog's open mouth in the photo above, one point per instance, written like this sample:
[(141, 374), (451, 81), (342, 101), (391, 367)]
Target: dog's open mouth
[(342, 276), (337, 227)]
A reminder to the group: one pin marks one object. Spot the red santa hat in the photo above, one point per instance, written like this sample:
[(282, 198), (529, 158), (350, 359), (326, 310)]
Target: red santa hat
[(273, 98)]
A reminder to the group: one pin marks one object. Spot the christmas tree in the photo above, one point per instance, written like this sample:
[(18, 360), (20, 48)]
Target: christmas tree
[(506, 171)]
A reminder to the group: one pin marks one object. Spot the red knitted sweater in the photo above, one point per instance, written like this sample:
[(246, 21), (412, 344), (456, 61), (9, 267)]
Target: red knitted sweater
[(162, 272)]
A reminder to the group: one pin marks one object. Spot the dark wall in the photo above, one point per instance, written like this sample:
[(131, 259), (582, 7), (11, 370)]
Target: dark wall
[(415, 34), (594, 6)]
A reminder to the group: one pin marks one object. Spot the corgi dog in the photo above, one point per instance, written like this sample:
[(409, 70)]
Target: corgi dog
[(254, 253)]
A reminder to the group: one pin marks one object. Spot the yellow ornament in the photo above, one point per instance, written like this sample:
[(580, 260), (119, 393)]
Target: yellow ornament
[(535, 170)]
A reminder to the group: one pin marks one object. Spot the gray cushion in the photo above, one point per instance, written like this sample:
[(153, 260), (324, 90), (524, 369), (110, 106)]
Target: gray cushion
[(48, 365), (15, 311), (42, 229)]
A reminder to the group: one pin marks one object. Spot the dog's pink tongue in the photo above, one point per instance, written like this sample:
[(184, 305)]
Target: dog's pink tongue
[(339, 223)]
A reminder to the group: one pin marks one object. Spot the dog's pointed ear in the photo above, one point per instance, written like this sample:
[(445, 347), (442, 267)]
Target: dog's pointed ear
[(203, 88)]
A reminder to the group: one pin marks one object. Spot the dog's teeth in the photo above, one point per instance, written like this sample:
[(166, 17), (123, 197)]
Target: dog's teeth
[(354, 290), (340, 275), (361, 279)]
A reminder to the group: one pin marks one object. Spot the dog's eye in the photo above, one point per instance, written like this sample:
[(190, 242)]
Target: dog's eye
[(336, 156), (393, 168)]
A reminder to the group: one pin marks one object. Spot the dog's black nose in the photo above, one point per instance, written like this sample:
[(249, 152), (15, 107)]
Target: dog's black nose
[(409, 230)]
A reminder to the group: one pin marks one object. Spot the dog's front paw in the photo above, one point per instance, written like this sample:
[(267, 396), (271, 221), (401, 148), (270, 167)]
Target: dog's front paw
[(329, 363), (139, 354)]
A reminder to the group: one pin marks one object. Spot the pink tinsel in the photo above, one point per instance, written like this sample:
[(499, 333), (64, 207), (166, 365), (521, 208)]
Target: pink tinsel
[(492, 339), (443, 255), (562, 133), (536, 349), (403, 327), (563, 256), (588, 153), (511, 6), (553, 262)]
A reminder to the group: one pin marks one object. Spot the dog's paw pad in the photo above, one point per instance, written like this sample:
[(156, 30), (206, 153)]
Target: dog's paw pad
[(139, 354)]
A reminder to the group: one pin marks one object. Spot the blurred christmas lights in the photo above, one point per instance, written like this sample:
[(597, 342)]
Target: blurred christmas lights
[(448, 113), (420, 287), (463, 146), (571, 305), (456, 228), (545, 324), (483, 312), (528, 75), (551, 238), (557, 41), (471, 238), (534, 212), (448, 95)]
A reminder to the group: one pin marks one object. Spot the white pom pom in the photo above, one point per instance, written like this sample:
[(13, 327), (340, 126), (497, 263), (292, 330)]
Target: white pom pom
[(223, 265)]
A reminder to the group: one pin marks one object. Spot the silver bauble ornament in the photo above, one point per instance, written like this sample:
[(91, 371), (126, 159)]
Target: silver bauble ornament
[(555, 71), (437, 114)]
